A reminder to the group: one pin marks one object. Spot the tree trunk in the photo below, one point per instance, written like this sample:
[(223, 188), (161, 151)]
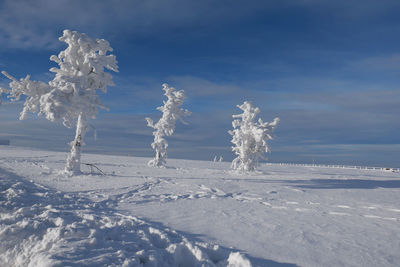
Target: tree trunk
[(159, 160), (73, 166)]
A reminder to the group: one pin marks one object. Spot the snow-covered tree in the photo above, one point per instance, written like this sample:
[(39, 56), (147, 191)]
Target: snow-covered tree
[(72, 94), (216, 159), (250, 137), (79, 76), (166, 125)]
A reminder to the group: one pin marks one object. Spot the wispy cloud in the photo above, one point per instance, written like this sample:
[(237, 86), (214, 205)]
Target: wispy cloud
[(390, 64), (37, 24), (351, 123)]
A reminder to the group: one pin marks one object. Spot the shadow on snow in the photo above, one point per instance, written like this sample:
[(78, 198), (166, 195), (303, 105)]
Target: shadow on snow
[(115, 236), (345, 184)]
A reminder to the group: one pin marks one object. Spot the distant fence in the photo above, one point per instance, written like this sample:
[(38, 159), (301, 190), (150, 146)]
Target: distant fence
[(338, 166)]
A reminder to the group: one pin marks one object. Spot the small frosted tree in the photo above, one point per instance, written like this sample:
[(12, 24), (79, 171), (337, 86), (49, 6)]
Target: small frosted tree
[(166, 125), (72, 95), (250, 137)]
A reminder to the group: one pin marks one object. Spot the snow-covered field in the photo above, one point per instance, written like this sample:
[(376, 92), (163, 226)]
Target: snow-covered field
[(193, 213)]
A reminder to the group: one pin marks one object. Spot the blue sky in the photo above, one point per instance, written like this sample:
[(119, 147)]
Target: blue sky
[(329, 69)]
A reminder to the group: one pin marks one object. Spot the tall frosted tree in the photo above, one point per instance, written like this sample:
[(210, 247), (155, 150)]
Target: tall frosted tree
[(250, 137), (72, 94), (171, 112)]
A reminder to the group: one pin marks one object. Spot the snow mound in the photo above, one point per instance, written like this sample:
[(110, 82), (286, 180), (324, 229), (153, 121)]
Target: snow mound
[(42, 227)]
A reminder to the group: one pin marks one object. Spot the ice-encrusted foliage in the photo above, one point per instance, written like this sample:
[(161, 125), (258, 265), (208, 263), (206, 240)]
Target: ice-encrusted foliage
[(79, 76), (32, 90), (250, 137), (166, 125), (72, 94)]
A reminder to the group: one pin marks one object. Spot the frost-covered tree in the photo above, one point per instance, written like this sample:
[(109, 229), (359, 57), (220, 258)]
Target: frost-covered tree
[(250, 137), (72, 94), (74, 98), (216, 159), (166, 125)]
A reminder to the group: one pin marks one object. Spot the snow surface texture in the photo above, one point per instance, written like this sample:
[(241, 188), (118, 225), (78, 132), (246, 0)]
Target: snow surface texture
[(279, 216), (250, 138), (43, 227), (166, 125), (72, 94)]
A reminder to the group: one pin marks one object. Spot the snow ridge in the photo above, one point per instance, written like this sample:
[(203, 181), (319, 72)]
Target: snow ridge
[(39, 226)]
